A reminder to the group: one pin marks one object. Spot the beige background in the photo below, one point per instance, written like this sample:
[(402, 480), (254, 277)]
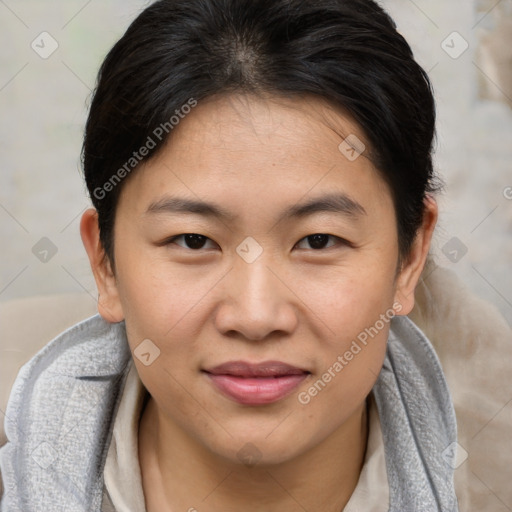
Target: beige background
[(44, 102)]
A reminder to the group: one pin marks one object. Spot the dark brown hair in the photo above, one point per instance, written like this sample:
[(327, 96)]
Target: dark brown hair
[(347, 52)]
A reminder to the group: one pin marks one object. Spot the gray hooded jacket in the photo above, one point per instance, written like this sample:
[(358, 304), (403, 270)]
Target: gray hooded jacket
[(62, 408)]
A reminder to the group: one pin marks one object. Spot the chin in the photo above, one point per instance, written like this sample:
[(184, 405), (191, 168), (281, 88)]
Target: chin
[(260, 449)]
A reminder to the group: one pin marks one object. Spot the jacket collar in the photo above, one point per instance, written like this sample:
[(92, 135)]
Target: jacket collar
[(418, 423)]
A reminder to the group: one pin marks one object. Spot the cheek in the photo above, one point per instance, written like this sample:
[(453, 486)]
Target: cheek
[(352, 357), (166, 307), (158, 298), (356, 315), (333, 396), (347, 301), (351, 352)]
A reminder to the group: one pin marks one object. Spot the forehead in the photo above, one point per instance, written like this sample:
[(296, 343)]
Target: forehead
[(269, 125), (252, 150)]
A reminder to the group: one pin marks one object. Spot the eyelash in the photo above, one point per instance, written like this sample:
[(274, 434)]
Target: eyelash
[(341, 241)]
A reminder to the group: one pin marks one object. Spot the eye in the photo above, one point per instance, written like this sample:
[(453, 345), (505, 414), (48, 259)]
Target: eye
[(193, 241), (319, 240)]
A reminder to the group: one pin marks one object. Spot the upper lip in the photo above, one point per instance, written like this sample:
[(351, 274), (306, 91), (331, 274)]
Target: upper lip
[(263, 369)]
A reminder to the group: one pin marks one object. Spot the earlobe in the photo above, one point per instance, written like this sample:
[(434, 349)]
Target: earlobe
[(411, 270), (109, 305)]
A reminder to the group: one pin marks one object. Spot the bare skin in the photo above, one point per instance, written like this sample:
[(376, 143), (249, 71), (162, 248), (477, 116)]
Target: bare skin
[(294, 303)]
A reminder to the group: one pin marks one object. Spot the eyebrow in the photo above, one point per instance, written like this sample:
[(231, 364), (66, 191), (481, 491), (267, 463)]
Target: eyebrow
[(338, 203)]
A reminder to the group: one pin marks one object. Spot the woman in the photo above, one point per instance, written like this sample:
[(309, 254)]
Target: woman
[(262, 181)]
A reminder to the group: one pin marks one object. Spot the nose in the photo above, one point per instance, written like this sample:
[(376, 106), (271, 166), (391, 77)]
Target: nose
[(257, 302)]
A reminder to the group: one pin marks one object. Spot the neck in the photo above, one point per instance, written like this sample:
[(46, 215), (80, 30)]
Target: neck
[(180, 474)]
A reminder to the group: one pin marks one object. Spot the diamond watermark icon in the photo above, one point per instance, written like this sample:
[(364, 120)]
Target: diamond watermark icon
[(44, 45), (45, 455), (454, 250), (352, 147), (44, 250), (249, 454), (249, 250), (146, 352), (454, 455), (455, 45)]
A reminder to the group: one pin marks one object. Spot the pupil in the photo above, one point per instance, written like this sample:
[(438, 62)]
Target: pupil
[(317, 241), (194, 241)]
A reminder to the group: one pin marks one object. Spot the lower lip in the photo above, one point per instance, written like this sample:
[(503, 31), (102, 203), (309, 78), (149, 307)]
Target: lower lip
[(256, 391)]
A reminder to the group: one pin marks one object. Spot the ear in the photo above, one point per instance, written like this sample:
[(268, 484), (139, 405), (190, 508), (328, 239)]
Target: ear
[(410, 272), (109, 305)]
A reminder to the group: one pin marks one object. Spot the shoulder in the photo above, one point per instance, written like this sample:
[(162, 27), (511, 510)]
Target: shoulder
[(28, 324), (74, 379), (90, 349), (474, 345)]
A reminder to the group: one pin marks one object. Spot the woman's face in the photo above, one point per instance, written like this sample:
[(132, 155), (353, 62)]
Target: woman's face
[(256, 286)]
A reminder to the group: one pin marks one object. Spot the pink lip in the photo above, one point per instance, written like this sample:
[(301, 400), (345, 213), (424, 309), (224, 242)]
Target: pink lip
[(256, 384)]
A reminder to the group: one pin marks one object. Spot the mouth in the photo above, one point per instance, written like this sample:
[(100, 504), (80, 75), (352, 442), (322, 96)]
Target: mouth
[(256, 384)]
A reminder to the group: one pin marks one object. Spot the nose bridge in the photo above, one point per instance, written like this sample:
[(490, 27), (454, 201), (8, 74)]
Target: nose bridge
[(252, 270), (258, 283), (258, 303)]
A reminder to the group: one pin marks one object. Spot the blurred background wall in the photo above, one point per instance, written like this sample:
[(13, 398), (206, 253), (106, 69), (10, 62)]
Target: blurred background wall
[(49, 58)]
